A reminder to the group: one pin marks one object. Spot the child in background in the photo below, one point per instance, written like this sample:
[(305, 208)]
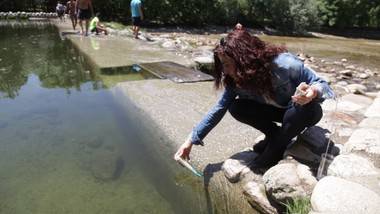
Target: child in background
[(96, 27)]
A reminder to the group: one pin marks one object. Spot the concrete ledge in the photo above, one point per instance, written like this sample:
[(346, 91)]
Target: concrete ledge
[(111, 51), (177, 108)]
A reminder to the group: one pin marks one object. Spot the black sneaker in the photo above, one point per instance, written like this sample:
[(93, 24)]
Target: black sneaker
[(271, 155), (260, 146)]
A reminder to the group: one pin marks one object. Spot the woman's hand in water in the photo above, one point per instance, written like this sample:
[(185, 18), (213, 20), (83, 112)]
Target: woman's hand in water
[(305, 95), (184, 150)]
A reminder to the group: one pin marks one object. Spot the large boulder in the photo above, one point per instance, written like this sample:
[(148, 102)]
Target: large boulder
[(336, 195), (351, 165), (354, 102), (288, 180), (365, 141), (372, 122), (374, 109), (342, 117)]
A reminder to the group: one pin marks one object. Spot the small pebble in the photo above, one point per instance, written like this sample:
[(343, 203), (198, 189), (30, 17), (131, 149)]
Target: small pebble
[(363, 76)]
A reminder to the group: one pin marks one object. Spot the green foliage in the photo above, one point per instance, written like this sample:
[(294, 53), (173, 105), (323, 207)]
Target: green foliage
[(298, 206), (350, 13), (293, 15), (374, 14), (285, 15), (24, 51)]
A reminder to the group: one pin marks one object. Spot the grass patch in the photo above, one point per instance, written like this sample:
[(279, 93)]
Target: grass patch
[(298, 206)]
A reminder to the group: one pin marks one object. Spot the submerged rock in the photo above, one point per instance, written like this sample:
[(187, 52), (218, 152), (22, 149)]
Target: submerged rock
[(95, 143), (106, 167)]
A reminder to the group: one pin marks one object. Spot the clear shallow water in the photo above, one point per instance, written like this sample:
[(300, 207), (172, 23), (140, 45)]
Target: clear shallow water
[(363, 52), (68, 146)]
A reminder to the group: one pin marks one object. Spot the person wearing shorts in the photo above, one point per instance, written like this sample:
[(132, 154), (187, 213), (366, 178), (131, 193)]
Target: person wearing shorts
[(70, 9), (85, 11), (137, 16)]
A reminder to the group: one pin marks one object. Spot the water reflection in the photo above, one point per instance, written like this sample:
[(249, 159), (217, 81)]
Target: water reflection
[(82, 153), (27, 50)]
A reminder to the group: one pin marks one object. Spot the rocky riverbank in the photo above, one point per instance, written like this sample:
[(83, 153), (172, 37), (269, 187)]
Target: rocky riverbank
[(198, 45), (26, 15), (350, 181)]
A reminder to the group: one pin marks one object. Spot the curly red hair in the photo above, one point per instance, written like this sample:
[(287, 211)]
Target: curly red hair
[(253, 59)]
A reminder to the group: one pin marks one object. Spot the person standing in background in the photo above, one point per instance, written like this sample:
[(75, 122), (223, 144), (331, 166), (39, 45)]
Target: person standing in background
[(60, 9), (70, 9), (137, 16), (85, 11)]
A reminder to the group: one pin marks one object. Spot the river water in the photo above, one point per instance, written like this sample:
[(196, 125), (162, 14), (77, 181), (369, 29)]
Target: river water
[(68, 146)]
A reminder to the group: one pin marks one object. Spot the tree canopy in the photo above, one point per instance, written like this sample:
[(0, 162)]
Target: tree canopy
[(285, 15)]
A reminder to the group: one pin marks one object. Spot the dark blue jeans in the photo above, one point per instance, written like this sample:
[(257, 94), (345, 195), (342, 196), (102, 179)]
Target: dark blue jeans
[(263, 117)]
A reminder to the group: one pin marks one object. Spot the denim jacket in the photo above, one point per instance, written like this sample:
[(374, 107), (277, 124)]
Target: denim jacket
[(288, 72)]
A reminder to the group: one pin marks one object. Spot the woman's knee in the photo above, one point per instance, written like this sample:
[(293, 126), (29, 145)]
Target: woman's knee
[(314, 112), (317, 114)]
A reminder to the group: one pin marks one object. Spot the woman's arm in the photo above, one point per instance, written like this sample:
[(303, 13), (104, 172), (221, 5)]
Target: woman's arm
[(206, 125), (308, 84), (213, 117), (322, 88)]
